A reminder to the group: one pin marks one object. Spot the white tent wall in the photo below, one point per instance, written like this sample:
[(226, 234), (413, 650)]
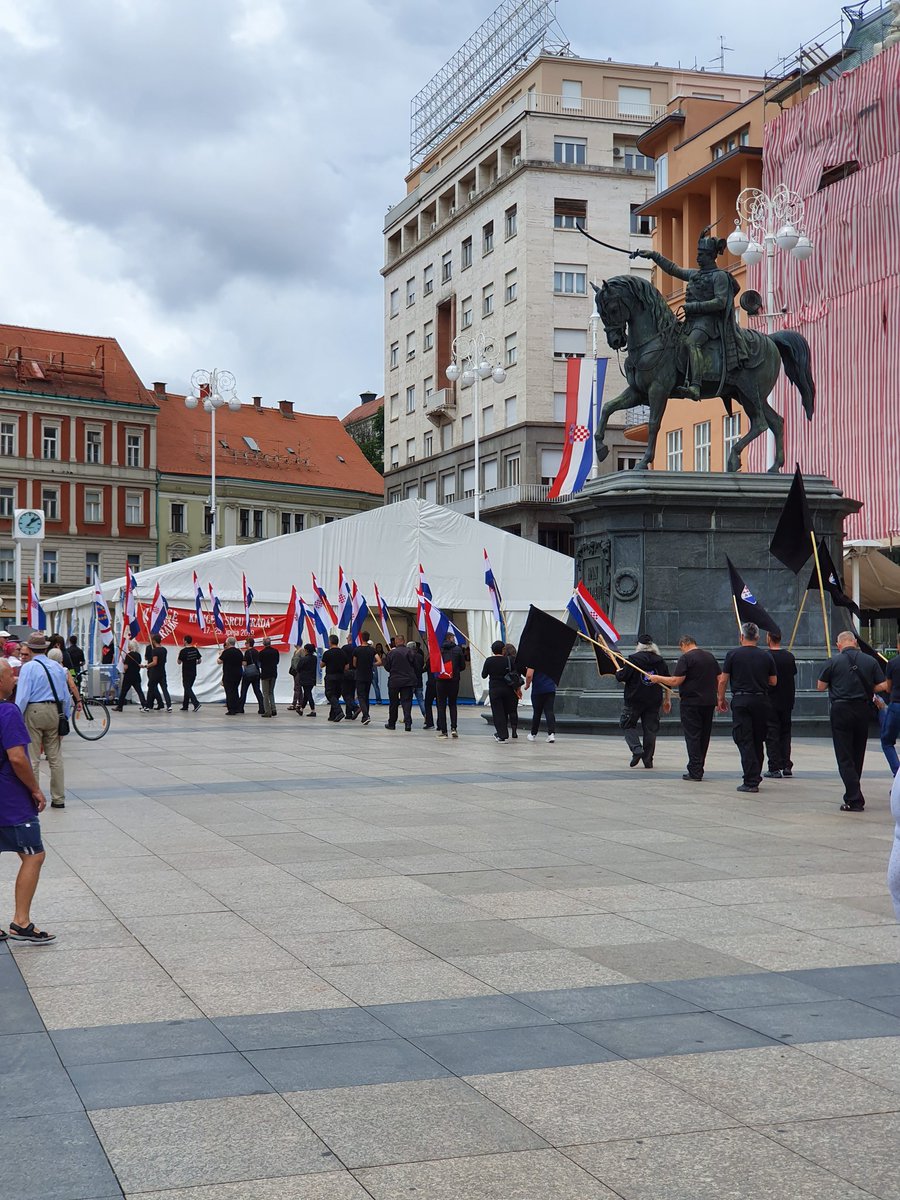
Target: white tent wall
[(385, 545)]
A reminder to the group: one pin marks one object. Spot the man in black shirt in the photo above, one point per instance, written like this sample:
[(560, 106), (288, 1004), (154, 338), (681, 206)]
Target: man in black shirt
[(348, 685), (695, 675), (403, 675), (250, 675), (76, 654), (890, 718), (156, 656), (447, 690), (364, 666), (268, 673), (232, 661), (188, 658), (851, 678), (781, 705), (333, 664), (751, 672)]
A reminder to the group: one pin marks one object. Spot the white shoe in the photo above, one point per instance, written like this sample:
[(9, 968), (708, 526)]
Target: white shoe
[(551, 737), (532, 737)]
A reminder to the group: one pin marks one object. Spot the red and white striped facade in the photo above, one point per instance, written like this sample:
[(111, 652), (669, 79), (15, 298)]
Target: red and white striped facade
[(845, 299)]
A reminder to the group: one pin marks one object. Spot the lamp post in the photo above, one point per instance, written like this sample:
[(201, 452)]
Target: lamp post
[(772, 222), (212, 389), (470, 364)]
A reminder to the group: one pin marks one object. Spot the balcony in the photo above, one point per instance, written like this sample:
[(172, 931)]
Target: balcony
[(507, 497), (440, 408), (594, 109)]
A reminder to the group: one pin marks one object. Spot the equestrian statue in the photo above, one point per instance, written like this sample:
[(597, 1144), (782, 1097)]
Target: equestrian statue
[(704, 355)]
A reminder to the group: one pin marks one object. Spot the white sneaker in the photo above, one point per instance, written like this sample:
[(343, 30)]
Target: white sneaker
[(551, 737), (532, 737)]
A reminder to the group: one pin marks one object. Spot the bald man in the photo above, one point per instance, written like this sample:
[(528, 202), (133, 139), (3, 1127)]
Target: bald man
[(851, 678)]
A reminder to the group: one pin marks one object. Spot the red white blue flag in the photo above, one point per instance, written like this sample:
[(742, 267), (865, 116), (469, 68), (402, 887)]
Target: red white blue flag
[(102, 614), (129, 605), (248, 600), (216, 608), (37, 618), (294, 620), (589, 616), (433, 619), (423, 591), (345, 600), (359, 612), (318, 631), (198, 604), (159, 610), (584, 395), (384, 616), (494, 590), (321, 602)]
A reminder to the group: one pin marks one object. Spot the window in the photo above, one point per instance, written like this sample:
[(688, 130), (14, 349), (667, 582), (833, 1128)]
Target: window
[(428, 279), (7, 501), (567, 212), (555, 537), (411, 398), (511, 222), (447, 267), (93, 446), (467, 482), (627, 462), (511, 471), (569, 343), (428, 385), (50, 441), (731, 432), (7, 565), (674, 450), (466, 433), (466, 317), (633, 159), (395, 355), (243, 522), (551, 459), (410, 346), (410, 449), (134, 508), (489, 475), (559, 406), (8, 438), (50, 567), (448, 487), (394, 496), (510, 286), (50, 503), (634, 101), (487, 238), (134, 449), (410, 292), (569, 279), (446, 437), (702, 433), (91, 566), (412, 491), (395, 302), (395, 455), (639, 223), (571, 93), (487, 419), (431, 490), (178, 518), (570, 150), (299, 522), (662, 172), (487, 300), (509, 411), (259, 518), (93, 506), (835, 174), (466, 254), (285, 522), (428, 445), (744, 137), (428, 336), (510, 350), (394, 406), (207, 520)]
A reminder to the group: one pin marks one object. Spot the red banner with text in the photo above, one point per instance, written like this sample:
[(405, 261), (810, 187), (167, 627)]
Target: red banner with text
[(180, 621)]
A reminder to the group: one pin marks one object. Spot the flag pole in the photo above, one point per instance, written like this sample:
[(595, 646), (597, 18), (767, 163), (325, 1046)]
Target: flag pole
[(797, 622), (737, 615), (815, 550), (603, 645)]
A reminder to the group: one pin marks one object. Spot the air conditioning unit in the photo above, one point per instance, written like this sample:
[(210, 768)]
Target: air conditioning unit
[(473, 195), (517, 160), (434, 226), (452, 210), (618, 151)]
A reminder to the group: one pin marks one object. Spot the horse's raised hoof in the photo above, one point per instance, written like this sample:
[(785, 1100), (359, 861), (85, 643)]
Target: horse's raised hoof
[(775, 469), (602, 452)]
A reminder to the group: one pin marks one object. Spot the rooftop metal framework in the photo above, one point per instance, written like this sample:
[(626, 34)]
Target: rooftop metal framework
[(513, 35)]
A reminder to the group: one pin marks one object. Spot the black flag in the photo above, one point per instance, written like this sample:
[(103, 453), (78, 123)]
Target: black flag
[(545, 644), (748, 607), (791, 542), (831, 581)]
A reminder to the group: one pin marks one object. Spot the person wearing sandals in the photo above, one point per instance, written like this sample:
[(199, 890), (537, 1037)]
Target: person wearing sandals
[(42, 694), (643, 700), (21, 799)]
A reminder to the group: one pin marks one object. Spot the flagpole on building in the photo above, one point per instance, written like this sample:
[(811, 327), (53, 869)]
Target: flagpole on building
[(815, 550), (797, 622)]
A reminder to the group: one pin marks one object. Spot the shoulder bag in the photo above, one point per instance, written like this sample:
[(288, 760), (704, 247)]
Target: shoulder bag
[(63, 722)]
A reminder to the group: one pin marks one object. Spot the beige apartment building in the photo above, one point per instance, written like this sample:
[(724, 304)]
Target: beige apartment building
[(485, 241)]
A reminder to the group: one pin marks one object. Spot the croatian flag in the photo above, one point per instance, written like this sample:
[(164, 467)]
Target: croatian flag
[(102, 614), (345, 600), (384, 617), (248, 600), (360, 610), (584, 393), (321, 601), (198, 604), (494, 590), (159, 610), (293, 620), (589, 616), (423, 591), (216, 610), (37, 618), (318, 633), (434, 620), (130, 604)]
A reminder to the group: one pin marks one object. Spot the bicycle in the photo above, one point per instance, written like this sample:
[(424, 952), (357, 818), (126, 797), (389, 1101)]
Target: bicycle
[(93, 719)]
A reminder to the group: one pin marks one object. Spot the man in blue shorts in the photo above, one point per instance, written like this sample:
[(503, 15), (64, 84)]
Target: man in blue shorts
[(20, 801)]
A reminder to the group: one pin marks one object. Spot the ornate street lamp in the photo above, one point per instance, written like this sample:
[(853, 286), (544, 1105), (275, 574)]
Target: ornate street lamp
[(471, 363), (213, 389)]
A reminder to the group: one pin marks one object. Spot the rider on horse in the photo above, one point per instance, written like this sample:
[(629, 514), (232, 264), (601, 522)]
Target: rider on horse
[(709, 314)]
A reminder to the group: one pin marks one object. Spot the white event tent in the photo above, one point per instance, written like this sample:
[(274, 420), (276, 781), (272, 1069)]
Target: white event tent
[(383, 546)]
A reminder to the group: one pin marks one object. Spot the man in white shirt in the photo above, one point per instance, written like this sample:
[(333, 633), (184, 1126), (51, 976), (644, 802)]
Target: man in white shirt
[(38, 679)]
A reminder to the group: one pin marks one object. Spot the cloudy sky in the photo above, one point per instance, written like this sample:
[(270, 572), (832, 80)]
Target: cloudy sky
[(206, 179)]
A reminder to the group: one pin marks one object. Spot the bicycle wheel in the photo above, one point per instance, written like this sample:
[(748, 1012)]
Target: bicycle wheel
[(93, 721)]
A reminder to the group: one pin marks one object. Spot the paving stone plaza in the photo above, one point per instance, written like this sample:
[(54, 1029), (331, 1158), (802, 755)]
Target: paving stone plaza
[(300, 962)]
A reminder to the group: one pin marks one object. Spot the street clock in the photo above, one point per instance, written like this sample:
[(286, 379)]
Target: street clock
[(28, 525)]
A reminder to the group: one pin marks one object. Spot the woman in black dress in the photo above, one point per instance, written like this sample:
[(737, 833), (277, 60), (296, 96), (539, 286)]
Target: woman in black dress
[(131, 677), (501, 694)]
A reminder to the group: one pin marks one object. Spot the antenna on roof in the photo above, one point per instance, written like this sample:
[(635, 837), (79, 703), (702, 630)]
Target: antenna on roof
[(723, 50)]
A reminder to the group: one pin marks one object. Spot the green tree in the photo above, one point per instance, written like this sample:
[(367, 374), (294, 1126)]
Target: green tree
[(372, 445)]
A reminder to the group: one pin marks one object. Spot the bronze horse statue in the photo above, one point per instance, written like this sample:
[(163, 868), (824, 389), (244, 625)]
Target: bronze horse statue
[(636, 318)]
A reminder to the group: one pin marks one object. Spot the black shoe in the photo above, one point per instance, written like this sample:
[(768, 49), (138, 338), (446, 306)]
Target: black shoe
[(366, 721), (515, 734), (428, 726), (338, 718), (635, 759), (58, 804), (746, 787), (693, 778), (787, 774), (408, 728), (196, 708), (853, 808), (648, 763), (390, 726), (184, 708), (774, 775)]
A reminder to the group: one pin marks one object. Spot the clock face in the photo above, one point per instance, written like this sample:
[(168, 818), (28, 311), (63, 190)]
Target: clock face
[(30, 523)]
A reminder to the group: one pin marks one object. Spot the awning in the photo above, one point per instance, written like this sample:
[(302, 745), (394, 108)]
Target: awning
[(879, 578)]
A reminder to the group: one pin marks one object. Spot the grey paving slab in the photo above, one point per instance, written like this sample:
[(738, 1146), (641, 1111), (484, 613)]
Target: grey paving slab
[(678, 1033), (66, 1162), (888, 1004), (744, 991), (401, 982), (538, 970), (668, 960), (854, 982), (403, 1122), (346, 1064), (151, 1039), (457, 939), (862, 1150), (822, 1021), (874, 1059), (605, 1003), (457, 1016), (270, 1031), (166, 1080), (124, 1002), (298, 1187), (17, 1012), (166, 1146), (520, 1049), (35, 1083)]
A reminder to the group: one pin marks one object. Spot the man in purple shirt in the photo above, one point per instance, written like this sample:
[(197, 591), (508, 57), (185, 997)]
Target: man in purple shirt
[(20, 801)]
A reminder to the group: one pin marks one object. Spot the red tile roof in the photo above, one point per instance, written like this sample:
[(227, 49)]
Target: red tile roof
[(301, 449), (362, 411), (52, 363)]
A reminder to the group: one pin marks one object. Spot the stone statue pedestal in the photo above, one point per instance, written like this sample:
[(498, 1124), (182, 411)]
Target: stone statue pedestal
[(651, 547)]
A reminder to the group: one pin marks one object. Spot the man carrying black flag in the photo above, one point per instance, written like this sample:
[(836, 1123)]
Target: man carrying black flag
[(831, 581), (545, 644), (747, 606), (792, 541)]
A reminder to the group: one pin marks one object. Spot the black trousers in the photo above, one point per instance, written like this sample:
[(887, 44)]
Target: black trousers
[(246, 685), (696, 725), (849, 733), (188, 678), (750, 719), (400, 698), (362, 697), (155, 685), (430, 697), (348, 691), (334, 694), (543, 705), (232, 695), (127, 685), (304, 692), (446, 693), (641, 739), (778, 739), (503, 710)]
